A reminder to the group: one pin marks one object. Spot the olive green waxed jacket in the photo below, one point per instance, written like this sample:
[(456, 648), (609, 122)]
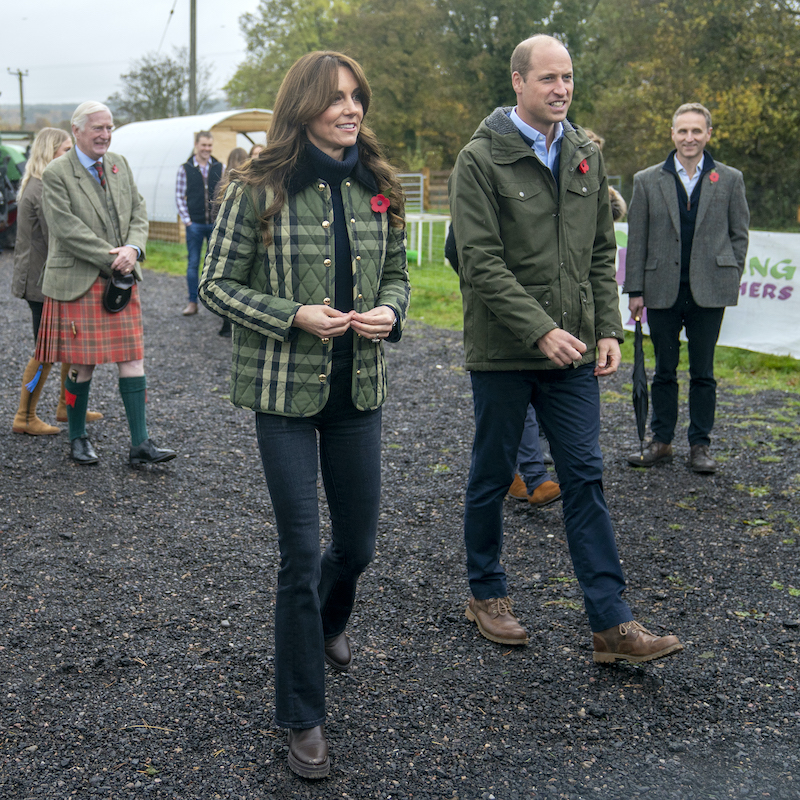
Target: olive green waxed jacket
[(278, 368), (534, 255)]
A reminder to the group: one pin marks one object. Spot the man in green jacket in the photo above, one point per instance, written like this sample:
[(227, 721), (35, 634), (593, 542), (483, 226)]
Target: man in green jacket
[(533, 227)]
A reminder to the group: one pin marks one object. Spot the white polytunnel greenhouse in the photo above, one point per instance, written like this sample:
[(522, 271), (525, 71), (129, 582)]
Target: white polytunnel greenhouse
[(156, 148)]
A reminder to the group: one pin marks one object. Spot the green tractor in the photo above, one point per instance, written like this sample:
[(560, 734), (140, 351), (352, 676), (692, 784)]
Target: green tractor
[(12, 167)]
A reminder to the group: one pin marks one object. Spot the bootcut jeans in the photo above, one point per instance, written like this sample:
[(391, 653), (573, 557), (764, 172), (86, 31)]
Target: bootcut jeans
[(316, 592)]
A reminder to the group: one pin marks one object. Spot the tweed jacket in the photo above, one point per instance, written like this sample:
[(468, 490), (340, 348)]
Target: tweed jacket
[(30, 251), (277, 368), (81, 231), (534, 255), (719, 246)]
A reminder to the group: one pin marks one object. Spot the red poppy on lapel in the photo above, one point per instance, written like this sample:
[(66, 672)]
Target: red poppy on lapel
[(379, 203), (713, 176), (583, 167), (114, 169)]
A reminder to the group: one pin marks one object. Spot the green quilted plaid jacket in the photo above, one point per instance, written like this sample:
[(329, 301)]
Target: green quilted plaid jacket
[(277, 368)]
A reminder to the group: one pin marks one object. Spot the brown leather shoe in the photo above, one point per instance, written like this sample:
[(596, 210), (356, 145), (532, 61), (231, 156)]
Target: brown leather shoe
[(544, 494), (338, 653), (190, 310), (308, 752), (701, 460), (654, 453), (631, 642), (496, 621)]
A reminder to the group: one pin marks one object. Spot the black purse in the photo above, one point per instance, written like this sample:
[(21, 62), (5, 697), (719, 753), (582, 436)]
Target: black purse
[(117, 293)]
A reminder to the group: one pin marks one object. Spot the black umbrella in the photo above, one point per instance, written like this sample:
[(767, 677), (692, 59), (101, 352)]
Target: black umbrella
[(639, 392)]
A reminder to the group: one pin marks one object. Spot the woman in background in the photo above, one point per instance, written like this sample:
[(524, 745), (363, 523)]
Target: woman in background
[(30, 255), (308, 259)]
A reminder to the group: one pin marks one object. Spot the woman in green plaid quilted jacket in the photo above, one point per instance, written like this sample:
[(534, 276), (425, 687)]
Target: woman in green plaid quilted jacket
[(307, 260)]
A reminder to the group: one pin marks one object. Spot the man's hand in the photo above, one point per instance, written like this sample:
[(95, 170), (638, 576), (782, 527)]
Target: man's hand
[(608, 357), (322, 321), (126, 257), (562, 348), (636, 306)]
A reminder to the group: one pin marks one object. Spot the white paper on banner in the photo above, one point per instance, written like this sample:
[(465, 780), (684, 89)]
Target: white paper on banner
[(767, 318)]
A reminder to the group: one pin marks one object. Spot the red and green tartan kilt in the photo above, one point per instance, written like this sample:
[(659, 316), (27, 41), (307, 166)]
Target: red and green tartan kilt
[(82, 332)]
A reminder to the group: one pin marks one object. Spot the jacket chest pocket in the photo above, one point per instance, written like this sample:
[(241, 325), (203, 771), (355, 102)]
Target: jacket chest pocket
[(583, 185), (521, 192)]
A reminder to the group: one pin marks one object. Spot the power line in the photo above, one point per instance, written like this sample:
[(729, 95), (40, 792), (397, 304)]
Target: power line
[(169, 19)]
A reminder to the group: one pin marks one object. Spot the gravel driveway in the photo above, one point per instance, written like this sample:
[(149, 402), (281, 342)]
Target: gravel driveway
[(136, 605)]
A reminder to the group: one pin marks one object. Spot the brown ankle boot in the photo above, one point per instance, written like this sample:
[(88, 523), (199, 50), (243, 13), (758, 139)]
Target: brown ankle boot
[(25, 420), (61, 411)]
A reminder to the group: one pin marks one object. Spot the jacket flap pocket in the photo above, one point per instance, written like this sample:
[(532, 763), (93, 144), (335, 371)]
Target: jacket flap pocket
[(61, 261), (727, 260), (584, 185), (519, 190)]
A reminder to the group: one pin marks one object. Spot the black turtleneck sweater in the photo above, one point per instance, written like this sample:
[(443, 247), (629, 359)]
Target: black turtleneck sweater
[(333, 172)]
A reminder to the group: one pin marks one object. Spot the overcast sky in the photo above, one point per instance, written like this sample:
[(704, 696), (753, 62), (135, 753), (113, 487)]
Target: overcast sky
[(76, 51)]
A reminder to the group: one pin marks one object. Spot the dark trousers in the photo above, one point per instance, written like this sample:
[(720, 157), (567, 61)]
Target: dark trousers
[(702, 331), (196, 234), (316, 592), (530, 464), (36, 316), (567, 404)]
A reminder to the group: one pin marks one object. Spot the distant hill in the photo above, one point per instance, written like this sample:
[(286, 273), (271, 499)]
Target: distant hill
[(57, 115)]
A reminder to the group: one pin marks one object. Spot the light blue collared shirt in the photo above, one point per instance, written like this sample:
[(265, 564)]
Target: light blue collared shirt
[(547, 157), (89, 163), (689, 183)]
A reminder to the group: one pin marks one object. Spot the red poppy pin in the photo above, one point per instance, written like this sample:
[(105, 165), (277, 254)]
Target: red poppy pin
[(114, 169), (583, 167), (713, 176), (379, 203)]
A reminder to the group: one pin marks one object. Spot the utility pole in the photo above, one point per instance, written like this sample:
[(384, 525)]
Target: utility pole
[(193, 57), (20, 74)]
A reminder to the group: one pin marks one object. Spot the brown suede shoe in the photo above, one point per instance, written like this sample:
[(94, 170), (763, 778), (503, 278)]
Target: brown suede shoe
[(654, 453), (190, 310), (544, 494), (701, 460), (496, 621), (631, 642), (518, 490), (308, 752)]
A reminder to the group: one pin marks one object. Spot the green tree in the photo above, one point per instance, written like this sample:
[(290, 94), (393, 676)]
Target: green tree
[(738, 58), (158, 87)]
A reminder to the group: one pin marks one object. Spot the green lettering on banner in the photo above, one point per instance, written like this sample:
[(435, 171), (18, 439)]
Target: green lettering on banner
[(782, 270)]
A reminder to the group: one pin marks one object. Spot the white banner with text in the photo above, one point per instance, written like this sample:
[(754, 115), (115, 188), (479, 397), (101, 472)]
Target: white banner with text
[(767, 318)]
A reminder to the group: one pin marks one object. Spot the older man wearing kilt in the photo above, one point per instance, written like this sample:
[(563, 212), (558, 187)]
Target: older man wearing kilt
[(98, 227)]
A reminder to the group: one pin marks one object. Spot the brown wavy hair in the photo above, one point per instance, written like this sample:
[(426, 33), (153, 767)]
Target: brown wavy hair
[(309, 87)]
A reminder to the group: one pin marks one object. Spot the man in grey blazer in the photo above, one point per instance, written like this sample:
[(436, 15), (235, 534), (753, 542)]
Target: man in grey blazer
[(97, 226), (687, 242)]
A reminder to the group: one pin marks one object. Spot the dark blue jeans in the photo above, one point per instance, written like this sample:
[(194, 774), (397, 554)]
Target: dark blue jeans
[(702, 331), (316, 592), (196, 234), (567, 403), (530, 464)]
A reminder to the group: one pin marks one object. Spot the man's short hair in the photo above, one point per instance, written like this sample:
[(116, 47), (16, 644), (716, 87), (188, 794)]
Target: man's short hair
[(521, 57), (696, 108), (84, 110), (203, 135)]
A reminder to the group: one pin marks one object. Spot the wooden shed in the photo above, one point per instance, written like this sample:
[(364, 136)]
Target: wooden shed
[(156, 148)]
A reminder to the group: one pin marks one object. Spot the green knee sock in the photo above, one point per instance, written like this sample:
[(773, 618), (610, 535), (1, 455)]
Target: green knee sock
[(77, 399), (133, 391)]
